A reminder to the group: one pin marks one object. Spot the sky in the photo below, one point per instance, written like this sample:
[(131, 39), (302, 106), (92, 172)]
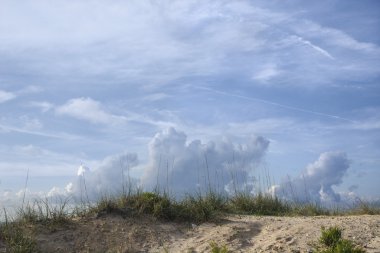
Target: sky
[(250, 95)]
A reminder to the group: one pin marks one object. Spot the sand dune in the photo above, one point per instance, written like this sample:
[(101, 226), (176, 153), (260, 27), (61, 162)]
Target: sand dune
[(112, 233)]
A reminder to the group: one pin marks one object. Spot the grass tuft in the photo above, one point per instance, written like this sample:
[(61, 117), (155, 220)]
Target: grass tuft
[(331, 236), (200, 208), (308, 209), (46, 212), (215, 248), (332, 242), (16, 240), (364, 207), (261, 204)]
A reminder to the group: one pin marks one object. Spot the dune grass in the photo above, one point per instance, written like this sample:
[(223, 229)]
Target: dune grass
[(17, 233)]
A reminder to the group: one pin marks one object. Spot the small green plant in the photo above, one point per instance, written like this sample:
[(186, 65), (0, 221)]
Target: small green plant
[(331, 236), (215, 248), (332, 242)]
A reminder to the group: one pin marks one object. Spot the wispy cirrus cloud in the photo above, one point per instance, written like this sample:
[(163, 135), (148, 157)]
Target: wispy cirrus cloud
[(115, 73), (266, 73), (156, 97), (43, 105), (334, 37), (89, 110), (6, 96), (93, 111)]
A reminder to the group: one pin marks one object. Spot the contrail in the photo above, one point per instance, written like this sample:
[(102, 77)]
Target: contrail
[(273, 103), (38, 133), (315, 47)]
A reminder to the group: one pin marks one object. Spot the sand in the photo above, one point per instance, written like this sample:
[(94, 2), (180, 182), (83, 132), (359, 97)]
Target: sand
[(112, 233)]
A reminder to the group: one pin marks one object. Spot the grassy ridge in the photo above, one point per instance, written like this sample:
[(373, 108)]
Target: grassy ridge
[(193, 209)]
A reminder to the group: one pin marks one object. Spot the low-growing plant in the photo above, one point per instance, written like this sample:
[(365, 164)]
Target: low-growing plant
[(215, 248), (331, 236), (331, 241)]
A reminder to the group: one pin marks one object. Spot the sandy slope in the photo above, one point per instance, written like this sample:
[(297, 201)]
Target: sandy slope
[(112, 233)]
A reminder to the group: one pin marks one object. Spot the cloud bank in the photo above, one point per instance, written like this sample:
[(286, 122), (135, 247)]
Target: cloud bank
[(186, 167), (180, 166), (317, 181), (177, 166)]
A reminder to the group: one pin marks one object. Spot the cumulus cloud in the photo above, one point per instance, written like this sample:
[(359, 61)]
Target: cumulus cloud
[(317, 181), (6, 96), (176, 165), (183, 166), (111, 177), (89, 110)]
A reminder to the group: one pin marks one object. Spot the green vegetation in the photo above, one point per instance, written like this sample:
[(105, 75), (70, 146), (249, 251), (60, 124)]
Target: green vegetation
[(44, 212), (215, 248), (331, 241), (364, 207), (261, 204), (192, 209), (17, 240), (18, 234)]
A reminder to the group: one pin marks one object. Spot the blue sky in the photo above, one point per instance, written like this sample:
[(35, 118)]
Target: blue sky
[(85, 82)]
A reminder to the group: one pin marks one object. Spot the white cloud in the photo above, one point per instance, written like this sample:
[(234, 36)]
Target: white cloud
[(89, 110), (317, 181), (171, 40), (334, 36), (184, 166), (31, 124), (177, 165), (6, 96), (108, 178), (316, 48), (267, 73), (44, 106)]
